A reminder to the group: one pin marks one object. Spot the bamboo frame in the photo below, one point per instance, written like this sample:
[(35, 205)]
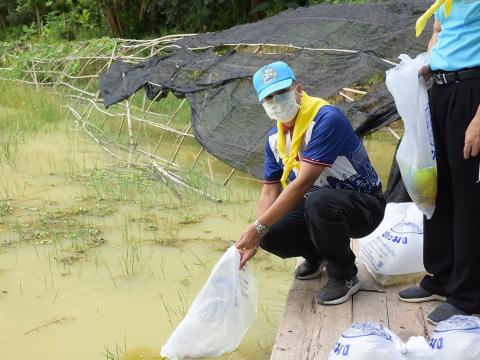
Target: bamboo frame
[(180, 142), (168, 123), (184, 184), (76, 84)]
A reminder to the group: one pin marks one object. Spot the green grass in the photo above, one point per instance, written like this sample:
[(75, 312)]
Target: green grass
[(381, 146), (25, 112), (17, 56), (123, 185)]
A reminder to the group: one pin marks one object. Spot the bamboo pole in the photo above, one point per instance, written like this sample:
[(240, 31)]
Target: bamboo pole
[(146, 138), (112, 55), (126, 115), (165, 181), (57, 72), (144, 102), (129, 122), (210, 170), (62, 74), (28, 70), (86, 64), (355, 91), (182, 139), (348, 98), (393, 132), (133, 107), (229, 176), (198, 156), (34, 75), (48, 83), (184, 184), (84, 126), (105, 118), (98, 92), (168, 123), (59, 60), (156, 157), (120, 127), (143, 117), (147, 122)]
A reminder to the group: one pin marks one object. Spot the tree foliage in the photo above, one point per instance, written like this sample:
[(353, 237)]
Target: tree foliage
[(82, 19)]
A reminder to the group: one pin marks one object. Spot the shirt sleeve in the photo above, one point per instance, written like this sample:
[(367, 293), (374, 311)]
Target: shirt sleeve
[(272, 171), (328, 138)]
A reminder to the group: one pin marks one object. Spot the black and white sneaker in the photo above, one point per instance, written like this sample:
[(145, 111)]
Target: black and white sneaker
[(310, 269), (337, 291), (416, 294)]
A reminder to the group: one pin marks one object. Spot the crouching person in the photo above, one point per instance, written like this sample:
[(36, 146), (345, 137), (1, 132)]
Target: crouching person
[(319, 190)]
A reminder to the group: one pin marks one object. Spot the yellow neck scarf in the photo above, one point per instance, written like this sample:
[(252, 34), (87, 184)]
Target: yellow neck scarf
[(309, 107), (422, 20)]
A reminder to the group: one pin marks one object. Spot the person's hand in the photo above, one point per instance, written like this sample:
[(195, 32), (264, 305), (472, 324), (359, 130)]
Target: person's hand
[(246, 255), (248, 244), (472, 138), (426, 72)]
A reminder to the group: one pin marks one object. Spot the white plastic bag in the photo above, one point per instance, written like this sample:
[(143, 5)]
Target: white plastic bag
[(220, 315), (416, 153), (393, 253), (457, 338), (372, 341)]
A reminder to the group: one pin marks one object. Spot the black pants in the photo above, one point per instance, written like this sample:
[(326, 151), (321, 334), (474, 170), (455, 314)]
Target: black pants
[(321, 226), (452, 235)]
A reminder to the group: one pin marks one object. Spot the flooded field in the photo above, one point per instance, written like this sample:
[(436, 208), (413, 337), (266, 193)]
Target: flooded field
[(101, 261), (98, 260)]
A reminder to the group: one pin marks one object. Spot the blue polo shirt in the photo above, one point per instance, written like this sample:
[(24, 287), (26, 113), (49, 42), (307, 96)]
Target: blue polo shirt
[(458, 44), (329, 141)]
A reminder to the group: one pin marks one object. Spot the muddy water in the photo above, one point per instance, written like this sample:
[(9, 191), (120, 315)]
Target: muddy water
[(102, 262)]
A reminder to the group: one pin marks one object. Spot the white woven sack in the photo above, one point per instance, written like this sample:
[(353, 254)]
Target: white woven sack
[(457, 338), (366, 341), (372, 341), (396, 246)]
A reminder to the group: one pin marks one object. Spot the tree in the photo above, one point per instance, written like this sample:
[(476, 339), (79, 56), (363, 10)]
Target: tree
[(110, 8), (6, 6), (38, 6), (69, 19)]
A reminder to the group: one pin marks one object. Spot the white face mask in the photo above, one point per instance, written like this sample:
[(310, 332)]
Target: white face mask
[(282, 107)]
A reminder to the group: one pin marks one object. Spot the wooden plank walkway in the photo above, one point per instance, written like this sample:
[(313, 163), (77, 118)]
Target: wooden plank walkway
[(308, 331)]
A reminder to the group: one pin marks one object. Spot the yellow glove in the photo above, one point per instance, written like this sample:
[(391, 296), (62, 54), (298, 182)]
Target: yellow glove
[(422, 20)]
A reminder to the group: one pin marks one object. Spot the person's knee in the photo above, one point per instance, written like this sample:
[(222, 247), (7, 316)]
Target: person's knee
[(274, 243), (267, 243), (322, 203)]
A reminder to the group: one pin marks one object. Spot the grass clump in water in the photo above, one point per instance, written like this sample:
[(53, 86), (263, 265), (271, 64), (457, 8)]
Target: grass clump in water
[(24, 112)]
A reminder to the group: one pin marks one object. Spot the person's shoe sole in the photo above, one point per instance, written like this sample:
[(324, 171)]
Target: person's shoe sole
[(353, 290), (313, 275), (430, 321), (424, 299)]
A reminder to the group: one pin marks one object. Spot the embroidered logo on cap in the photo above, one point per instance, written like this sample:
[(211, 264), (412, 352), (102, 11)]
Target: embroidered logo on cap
[(269, 75)]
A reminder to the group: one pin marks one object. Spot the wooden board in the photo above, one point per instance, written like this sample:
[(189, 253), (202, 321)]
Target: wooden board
[(370, 306), (309, 331), (404, 319)]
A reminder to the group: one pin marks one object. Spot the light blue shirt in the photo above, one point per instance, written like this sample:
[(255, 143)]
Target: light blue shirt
[(458, 44)]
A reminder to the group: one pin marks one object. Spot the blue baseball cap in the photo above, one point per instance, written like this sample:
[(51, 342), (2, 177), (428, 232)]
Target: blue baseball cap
[(271, 78)]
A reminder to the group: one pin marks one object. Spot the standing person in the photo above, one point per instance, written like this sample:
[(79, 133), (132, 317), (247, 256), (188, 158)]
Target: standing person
[(452, 235), (319, 188)]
